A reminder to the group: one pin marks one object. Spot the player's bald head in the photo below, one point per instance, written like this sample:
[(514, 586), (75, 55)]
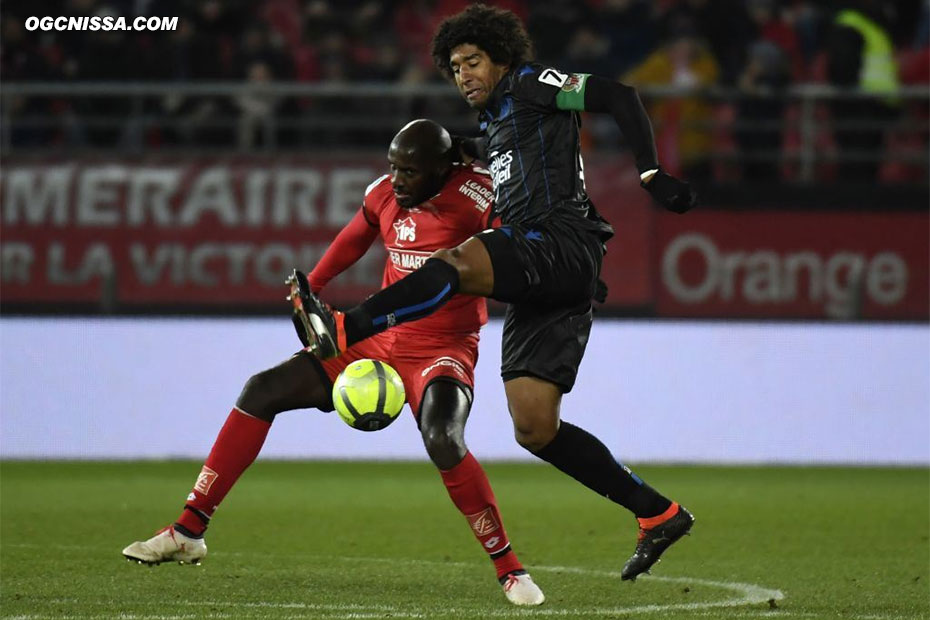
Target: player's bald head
[(423, 140), (421, 160)]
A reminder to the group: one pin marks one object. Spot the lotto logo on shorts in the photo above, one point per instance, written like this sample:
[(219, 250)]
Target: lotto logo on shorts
[(205, 480), (483, 523)]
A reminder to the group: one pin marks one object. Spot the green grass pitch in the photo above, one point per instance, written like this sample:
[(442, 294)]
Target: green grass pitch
[(354, 540)]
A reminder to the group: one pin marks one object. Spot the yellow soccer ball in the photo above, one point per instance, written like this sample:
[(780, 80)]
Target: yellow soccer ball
[(368, 395)]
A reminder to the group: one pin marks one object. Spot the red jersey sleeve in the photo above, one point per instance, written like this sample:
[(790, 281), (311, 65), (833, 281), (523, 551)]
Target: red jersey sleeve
[(349, 245)]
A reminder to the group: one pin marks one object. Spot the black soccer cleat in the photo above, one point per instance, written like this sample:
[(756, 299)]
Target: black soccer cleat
[(318, 326), (654, 541)]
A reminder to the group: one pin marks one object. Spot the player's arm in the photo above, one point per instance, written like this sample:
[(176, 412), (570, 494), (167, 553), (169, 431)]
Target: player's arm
[(592, 93), (349, 245), (470, 149)]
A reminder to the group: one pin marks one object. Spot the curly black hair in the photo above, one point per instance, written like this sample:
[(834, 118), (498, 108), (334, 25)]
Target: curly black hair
[(497, 32)]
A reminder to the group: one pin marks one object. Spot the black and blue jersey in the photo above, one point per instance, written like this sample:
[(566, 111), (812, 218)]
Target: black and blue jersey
[(532, 128)]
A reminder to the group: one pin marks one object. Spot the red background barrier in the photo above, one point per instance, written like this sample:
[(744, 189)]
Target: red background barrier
[(220, 234), (792, 264), (222, 231)]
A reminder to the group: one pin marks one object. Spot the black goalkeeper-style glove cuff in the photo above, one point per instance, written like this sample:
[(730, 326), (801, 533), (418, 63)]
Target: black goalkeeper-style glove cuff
[(673, 194)]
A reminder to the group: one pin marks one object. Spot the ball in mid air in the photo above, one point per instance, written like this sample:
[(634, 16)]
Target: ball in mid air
[(368, 395)]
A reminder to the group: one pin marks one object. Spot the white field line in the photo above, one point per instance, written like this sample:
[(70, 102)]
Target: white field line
[(330, 610), (743, 594), (373, 612), (379, 615), (398, 614)]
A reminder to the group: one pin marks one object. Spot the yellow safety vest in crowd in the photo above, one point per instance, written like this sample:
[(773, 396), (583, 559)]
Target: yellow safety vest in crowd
[(879, 73)]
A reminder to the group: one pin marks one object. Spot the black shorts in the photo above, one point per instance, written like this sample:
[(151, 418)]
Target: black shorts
[(548, 277), (550, 266), (547, 343)]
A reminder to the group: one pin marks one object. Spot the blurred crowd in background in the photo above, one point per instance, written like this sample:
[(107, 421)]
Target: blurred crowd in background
[(755, 48), (367, 40)]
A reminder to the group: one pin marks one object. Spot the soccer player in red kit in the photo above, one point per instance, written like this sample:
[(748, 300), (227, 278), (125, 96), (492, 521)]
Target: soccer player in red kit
[(545, 259), (427, 202)]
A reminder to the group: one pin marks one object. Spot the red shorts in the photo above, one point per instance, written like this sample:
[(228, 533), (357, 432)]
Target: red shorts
[(418, 362)]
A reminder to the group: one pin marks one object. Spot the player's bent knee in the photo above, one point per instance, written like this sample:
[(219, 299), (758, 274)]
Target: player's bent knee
[(453, 257), (535, 434), (442, 422), (444, 255), (258, 395), (445, 445), (291, 385), (534, 408), (471, 261), (534, 440)]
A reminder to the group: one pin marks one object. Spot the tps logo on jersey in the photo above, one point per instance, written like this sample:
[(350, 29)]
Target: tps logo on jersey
[(500, 168), (406, 229)]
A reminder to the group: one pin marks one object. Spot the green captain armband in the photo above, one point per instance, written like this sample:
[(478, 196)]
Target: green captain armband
[(571, 95)]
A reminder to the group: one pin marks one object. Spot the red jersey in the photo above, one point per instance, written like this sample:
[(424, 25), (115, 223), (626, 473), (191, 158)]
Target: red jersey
[(461, 209)]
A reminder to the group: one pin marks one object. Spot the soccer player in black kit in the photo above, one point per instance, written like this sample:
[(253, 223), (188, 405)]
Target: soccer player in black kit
[(544, 261)]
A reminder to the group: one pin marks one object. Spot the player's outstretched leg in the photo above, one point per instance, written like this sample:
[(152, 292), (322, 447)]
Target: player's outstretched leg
[(419, 294), (294, 384), (534, 405), (442, 420), (464, 269)]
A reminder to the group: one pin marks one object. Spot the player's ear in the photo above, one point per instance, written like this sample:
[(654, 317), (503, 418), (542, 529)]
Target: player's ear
[(451, 158), (441, 171), (446, 159)]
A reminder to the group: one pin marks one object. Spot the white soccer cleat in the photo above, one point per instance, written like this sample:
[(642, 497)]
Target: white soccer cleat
[(522, 590), (168, 545)]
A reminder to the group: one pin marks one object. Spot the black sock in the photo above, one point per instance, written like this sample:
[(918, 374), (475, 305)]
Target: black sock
[(180, 528), (582, 456), (421, 293), (204, 519)]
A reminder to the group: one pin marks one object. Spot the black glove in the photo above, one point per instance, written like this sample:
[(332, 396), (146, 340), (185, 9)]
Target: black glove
[(465, 150), (674, 195)]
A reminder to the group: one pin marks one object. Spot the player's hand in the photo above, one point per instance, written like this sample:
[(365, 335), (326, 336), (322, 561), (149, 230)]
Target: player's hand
[(671, 193), (460, 151)]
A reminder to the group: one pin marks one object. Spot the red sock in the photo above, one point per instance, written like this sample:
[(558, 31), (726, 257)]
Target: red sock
[(471, 493), (235, 448)]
